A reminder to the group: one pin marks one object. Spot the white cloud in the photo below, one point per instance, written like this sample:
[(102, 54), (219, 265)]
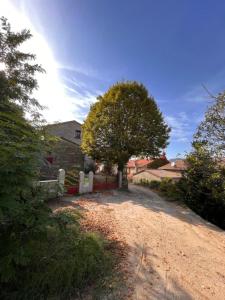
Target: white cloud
[(180, 127), (52, 92)]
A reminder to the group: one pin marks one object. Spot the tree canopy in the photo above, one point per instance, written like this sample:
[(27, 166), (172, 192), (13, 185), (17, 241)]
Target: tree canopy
[(204, 180), (125, 121), (211, 131)]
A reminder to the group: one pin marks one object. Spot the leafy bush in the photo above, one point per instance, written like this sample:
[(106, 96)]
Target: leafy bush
[(144, 182), (60, 264), (169, 188), (154, 184), (205, 185)]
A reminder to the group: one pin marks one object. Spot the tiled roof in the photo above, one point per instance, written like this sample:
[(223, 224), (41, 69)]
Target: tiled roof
[(143, 162), (162, 173), (179, 165), (138, 163)]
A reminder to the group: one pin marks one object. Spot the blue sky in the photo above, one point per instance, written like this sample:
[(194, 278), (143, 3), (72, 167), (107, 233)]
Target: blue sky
[(173, 47)]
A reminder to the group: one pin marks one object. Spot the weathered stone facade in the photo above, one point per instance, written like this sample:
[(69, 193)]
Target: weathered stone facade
[(66, 153), (70, 131)]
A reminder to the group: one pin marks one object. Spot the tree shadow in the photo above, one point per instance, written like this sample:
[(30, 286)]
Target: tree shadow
[(142, 196)]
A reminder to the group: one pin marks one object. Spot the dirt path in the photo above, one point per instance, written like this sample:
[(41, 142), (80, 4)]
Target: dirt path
[(174, 254)]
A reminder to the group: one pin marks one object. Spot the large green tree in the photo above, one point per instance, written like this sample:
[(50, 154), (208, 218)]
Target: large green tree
[(125, 121)]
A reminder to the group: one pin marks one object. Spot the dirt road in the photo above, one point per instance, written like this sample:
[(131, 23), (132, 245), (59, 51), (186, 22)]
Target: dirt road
[(174, 254)]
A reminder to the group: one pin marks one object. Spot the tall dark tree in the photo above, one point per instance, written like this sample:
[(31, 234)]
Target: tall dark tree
[(125, 121)]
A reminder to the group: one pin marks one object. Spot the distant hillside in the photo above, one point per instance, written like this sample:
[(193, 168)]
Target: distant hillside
[(175, 159)]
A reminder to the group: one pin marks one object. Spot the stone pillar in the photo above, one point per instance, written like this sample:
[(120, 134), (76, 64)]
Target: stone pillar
[(90, 178), (81, 182), (61, 180)]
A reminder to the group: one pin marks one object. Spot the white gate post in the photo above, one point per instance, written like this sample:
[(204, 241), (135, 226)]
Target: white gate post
[(81, 182), (90, 179), (61, 180)]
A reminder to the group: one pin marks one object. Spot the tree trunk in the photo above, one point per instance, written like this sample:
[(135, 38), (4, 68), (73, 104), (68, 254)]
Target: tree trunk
[(122, 168)]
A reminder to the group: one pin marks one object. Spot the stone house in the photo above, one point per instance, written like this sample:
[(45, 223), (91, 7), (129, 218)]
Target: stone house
[(156, 174), (137, 165), (179, 165), (66, 153), (172, 170)]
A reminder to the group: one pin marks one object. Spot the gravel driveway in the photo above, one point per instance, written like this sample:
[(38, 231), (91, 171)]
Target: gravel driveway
[(173, 253)]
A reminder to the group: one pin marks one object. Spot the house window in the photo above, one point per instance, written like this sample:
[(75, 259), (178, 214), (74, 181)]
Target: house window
[(77, 134)]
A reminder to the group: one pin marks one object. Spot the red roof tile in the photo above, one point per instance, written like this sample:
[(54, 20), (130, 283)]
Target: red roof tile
[(138, 163)]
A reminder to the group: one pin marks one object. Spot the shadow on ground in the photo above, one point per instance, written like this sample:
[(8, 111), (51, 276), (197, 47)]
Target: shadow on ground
[(144, 197)]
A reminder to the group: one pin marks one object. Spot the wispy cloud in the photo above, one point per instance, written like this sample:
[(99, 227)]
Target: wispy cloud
[(63, 101), (181, 129), (203, 91), (85, 70)]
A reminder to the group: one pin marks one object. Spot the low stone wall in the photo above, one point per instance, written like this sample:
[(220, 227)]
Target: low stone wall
[(53, 188)]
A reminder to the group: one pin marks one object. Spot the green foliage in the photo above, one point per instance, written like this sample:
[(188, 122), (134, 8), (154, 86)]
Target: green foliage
[(62, 263), (205, 185), (125, 121), (211, 131), (17, 78), (23, 216), (166, 187), (157, 163), (169, 189), (144, 182), (72, 177), (154, 184)]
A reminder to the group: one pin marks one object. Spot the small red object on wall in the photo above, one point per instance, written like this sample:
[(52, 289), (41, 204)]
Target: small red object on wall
[(49, 159)]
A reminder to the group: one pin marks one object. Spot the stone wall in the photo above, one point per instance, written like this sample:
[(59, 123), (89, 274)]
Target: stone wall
[(65, 155), (66, 130)]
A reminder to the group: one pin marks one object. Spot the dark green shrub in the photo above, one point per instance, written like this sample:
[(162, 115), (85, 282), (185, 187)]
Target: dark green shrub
[(165, 185), (60, 264), (144, 182), (170, 189), (154, 184), (204, 182)]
